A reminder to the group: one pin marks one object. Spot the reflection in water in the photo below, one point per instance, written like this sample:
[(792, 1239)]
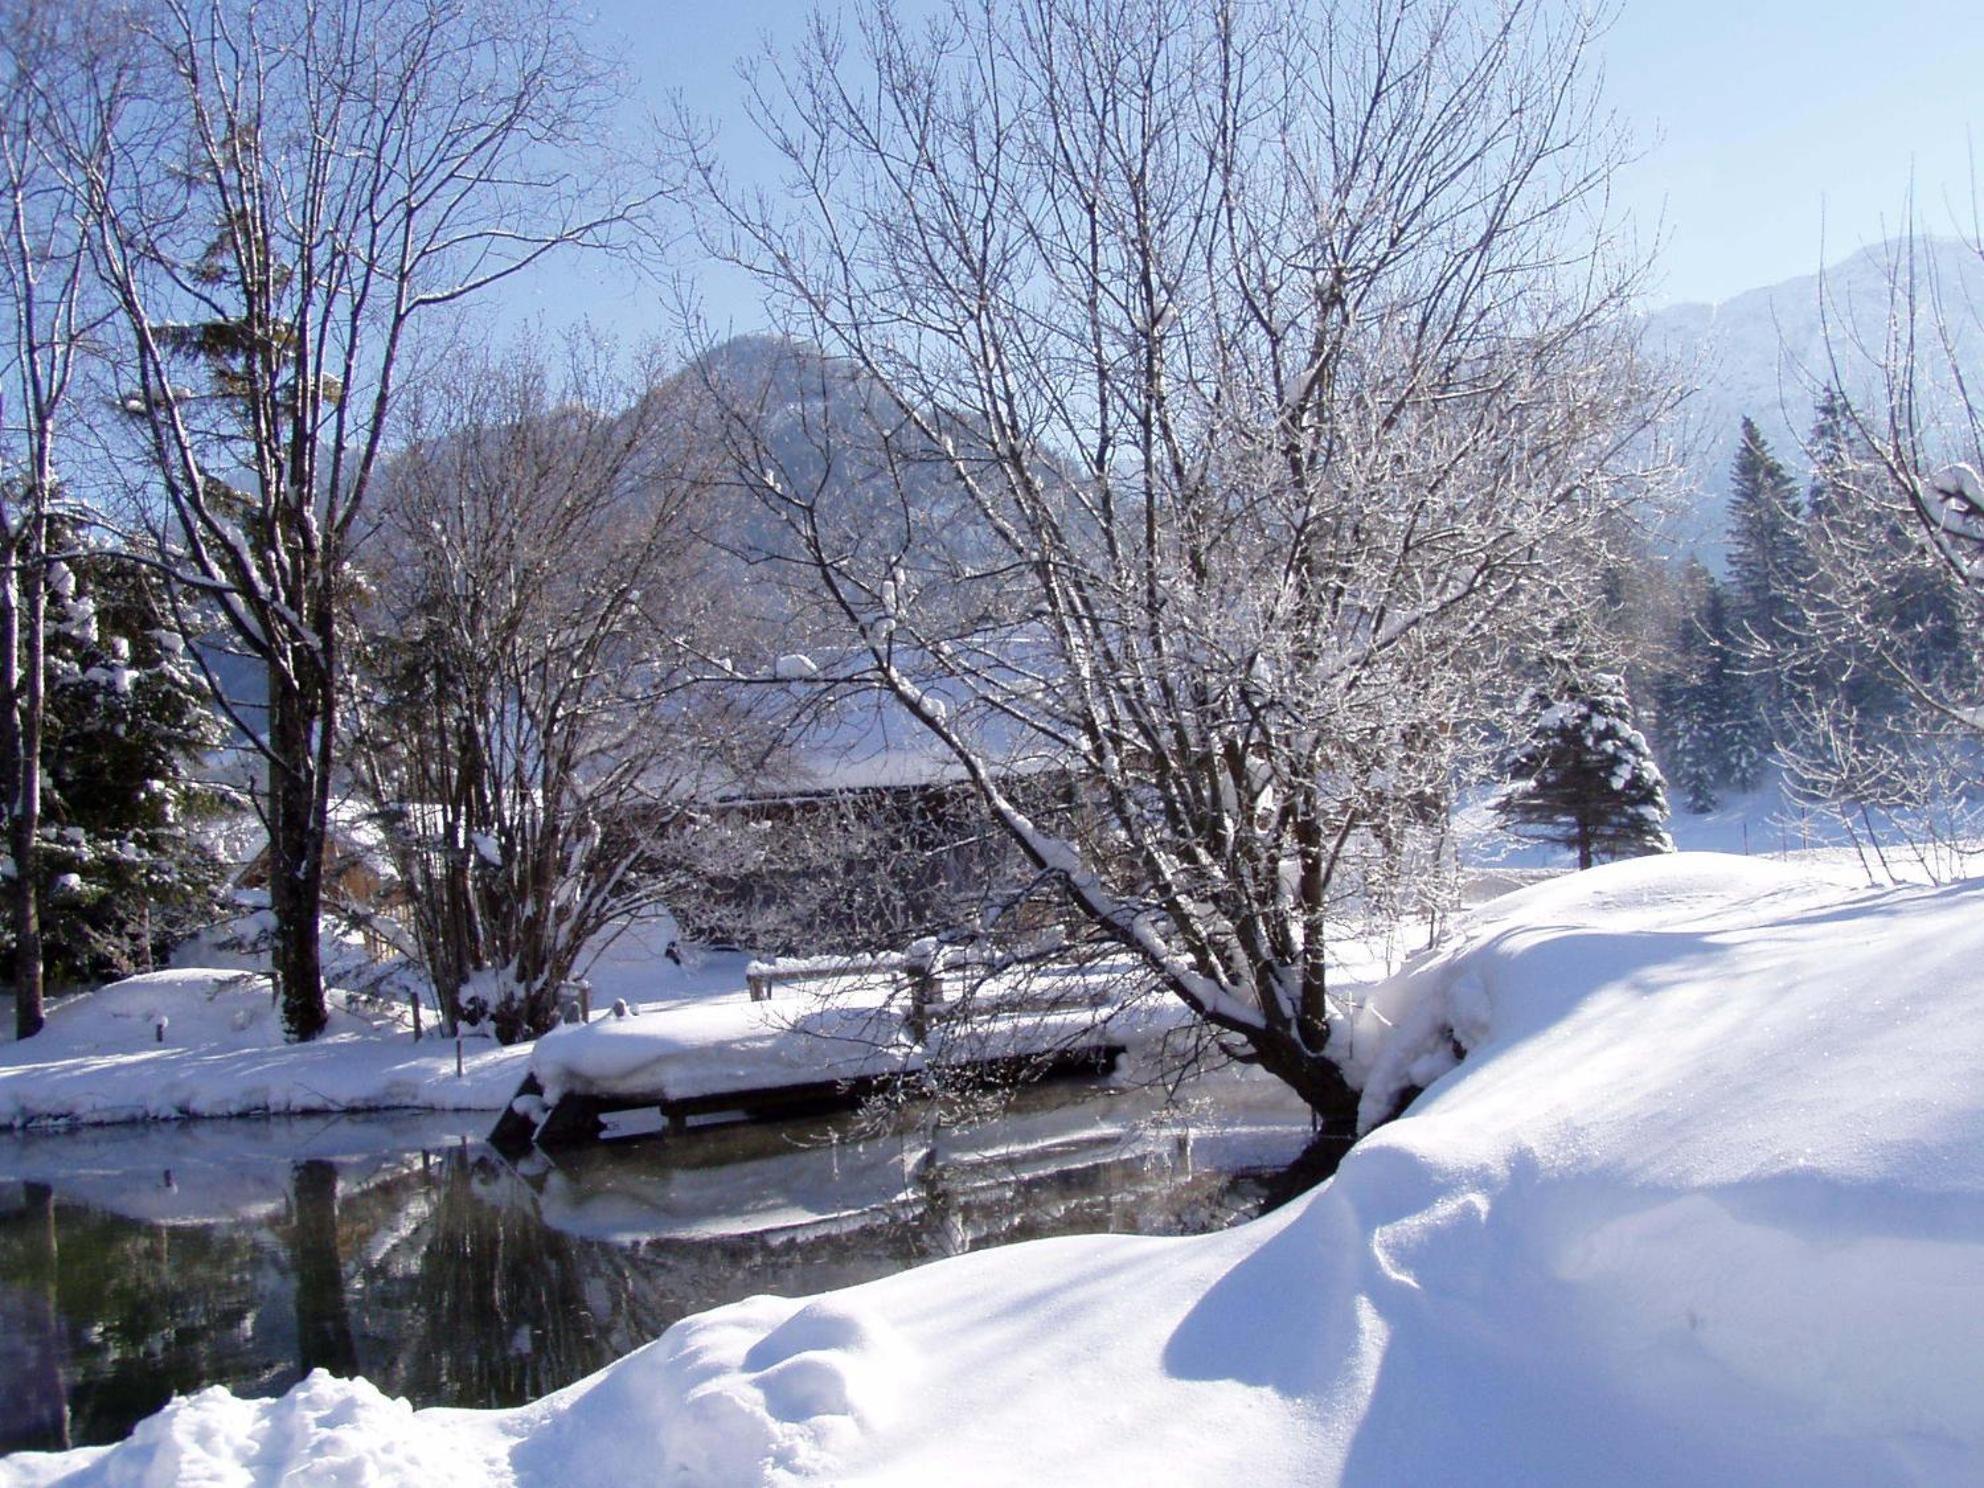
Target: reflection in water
[(482, 1304), (31, 1353), (323, 1326), (139, 1264), (140, 1312)]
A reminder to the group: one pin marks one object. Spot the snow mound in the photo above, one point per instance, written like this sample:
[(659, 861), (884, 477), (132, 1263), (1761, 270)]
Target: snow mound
[(325, 1431), (765, 1391), (207, 1006), (1416, 1027)]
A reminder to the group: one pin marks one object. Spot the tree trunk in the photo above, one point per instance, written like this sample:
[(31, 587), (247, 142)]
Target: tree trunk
[(29, 1009), (23, 616), (28, 969), (296, 866), (455, 956), (1315, 1077)]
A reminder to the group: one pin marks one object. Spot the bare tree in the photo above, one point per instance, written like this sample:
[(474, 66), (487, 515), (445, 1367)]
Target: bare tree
[(60, 94), (1886, 638), (1276, 357), (304, 186), (1927, 438), (1884, 644), (1898, 535), (523, 728)]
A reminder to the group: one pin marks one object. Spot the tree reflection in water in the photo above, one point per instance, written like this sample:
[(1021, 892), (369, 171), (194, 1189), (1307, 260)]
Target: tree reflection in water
[(492, 1307), (449, 1277), (141, 1312), (34, 1407), (323, 1325)]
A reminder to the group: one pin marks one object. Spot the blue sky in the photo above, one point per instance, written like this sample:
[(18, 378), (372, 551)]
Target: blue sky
[(1773, 131), (1767, 122)]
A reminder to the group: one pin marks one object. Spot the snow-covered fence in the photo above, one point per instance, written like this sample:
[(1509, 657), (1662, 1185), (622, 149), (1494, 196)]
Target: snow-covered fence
[(984, 980), (760, 977), (916, 969)]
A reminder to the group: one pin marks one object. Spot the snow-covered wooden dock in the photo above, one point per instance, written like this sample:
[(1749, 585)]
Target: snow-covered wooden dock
[(836, 1038)]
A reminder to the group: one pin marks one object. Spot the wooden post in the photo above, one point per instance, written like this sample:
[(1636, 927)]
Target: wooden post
[(922, 993), (413, 997), (458, 1056)]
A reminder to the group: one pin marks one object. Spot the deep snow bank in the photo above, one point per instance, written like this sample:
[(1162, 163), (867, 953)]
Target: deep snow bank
[(209, 1042), (1704, 1203)]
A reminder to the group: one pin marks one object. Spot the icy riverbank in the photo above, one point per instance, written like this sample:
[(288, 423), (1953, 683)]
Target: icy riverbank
[(1703, 1202), (206, 1042), (104, 1056)]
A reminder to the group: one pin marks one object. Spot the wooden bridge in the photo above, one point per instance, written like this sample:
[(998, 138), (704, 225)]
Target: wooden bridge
[(881, 1025)]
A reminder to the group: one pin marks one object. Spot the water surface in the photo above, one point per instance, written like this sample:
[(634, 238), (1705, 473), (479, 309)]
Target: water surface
[(139, 1262)]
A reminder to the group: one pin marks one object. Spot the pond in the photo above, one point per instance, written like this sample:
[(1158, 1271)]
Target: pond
[(140, 1262)]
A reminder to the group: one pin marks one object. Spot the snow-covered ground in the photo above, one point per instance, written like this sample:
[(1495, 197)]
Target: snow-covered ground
[(1766, 822), (1703, 1203), (223, 1053), (104, 1058), (206, 1042)]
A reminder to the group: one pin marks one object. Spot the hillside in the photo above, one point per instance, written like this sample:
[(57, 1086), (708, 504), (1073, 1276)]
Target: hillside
[(883, 495), (1762, 352)]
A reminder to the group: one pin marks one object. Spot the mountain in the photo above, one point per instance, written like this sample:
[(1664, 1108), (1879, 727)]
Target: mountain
[(887, 500), (1765, 352), (885, 493)]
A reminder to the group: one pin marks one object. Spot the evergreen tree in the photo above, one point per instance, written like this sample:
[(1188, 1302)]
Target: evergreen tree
[(1585, 777), (1731, 704), (1839, 458), (1686, 734), (1885, 612), (124, 871), (1711, 727), (1768, 566)]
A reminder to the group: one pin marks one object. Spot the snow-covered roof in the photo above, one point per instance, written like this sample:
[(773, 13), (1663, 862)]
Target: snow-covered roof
[(850, 731)]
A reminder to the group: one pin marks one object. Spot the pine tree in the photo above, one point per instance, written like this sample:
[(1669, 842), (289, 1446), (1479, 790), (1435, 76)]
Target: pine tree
[(1585, 777), (1687, 735), (1890, 611), (1712, 729), (1768, 565), (1839, 458), (1732, 705), (124, 871)]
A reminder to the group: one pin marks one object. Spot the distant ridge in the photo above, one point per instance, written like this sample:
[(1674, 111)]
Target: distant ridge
[(1763, 353)]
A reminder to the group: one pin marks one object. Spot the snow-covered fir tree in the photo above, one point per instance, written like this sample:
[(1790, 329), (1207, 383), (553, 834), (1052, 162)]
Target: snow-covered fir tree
[(1689, 744), (1584, 776), (125, 871)]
